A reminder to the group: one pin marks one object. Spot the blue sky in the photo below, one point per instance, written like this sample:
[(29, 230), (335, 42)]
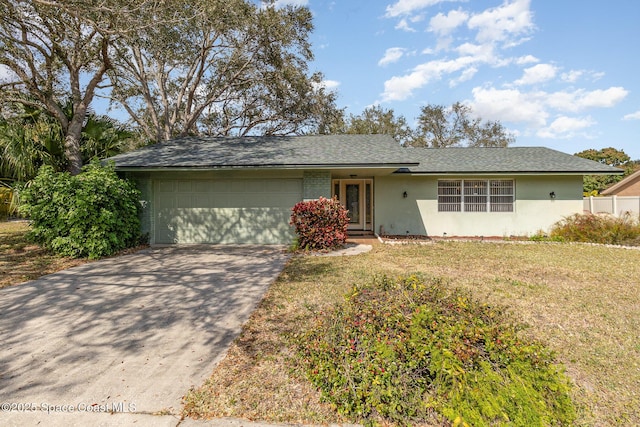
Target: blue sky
[(559, 74)]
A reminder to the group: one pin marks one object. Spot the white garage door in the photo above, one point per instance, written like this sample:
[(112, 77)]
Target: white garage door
[(225, 211)]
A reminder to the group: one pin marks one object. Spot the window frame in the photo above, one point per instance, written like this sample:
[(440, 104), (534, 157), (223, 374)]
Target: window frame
[(476, 195)]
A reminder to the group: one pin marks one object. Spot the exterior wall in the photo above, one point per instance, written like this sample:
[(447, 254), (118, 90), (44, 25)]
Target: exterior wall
[(316, 184), (633, 189), (534, 210), (144, 184)]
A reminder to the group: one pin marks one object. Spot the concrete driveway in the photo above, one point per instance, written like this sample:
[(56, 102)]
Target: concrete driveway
[(121, 340)]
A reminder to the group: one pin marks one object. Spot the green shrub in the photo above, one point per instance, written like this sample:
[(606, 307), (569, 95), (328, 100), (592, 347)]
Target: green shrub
[(320, 224), (93, 214), (407, 351), (592, 228)]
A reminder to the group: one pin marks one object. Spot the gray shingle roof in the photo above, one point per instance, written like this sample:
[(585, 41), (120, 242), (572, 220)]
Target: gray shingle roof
[(502, 160), (296, 151), (351, 151)]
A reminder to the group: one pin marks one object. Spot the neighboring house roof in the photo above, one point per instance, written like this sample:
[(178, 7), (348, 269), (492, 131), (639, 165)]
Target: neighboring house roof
[(503, 160), (631, 180), (350, 151), (278, 152)]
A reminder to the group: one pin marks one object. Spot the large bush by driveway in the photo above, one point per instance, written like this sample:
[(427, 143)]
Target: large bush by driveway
[(92, 214)]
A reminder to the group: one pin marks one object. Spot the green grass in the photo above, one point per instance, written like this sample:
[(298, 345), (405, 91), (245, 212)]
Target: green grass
[(583, 301)]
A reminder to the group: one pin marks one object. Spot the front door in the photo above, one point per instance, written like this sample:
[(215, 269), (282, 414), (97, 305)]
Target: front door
[(355, 196)]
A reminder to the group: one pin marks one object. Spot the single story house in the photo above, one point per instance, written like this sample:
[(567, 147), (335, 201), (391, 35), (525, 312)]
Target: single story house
[(630, 186), (241, 190)]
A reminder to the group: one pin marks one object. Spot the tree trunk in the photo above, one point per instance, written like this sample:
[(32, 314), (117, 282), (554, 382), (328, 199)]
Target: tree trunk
[(72, 146)]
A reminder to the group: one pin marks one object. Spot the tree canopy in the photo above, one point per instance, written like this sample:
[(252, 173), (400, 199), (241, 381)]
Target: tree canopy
[(440, 127), (216, 67), (437, 127), (53, 52), (608, 156), (377, 120), (32, 137), (227, 67)]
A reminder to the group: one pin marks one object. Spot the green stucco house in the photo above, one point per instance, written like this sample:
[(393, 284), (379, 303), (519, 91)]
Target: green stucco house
[(241, 190)]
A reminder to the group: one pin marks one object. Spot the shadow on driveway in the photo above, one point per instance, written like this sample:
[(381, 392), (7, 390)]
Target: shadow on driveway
[(133, 332)]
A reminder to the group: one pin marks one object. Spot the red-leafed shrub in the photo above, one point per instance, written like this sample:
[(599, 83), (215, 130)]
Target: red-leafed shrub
[(320, 224)]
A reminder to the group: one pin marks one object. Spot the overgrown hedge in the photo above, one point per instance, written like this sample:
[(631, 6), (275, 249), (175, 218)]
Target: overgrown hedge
[(320, 224), (601, 228), (93, 214), (410, 351)]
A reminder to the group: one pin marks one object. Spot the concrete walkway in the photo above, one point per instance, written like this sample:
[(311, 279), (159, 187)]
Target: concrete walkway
[(121, 340)]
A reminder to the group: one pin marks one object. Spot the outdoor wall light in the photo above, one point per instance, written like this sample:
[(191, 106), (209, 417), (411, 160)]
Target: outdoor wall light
[(552, 195), (404, 195)]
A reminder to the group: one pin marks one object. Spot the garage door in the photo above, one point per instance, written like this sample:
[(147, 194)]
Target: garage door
[(225, 211)]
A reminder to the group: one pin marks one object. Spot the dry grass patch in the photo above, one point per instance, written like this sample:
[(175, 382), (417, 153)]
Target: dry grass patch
[(21, 260), (583, 300)]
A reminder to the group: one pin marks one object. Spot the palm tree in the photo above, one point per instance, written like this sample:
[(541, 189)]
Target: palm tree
[(104, 137), (31, 138)]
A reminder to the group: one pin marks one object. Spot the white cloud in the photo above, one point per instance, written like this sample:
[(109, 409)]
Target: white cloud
[(575, 75), (404, 26), (504, 23), (580, 99), (283, 3), (465, 76), (399, 88), (327, 84), (445, 24), (407, 7), (565, 127), (527, 59), (509, 105), (479, 52), (497, 27), (391, 55), (632, 116), (537, 74), (572, 76), (533, 109)]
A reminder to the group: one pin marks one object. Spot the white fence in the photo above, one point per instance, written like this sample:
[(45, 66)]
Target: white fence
[(616, 205)]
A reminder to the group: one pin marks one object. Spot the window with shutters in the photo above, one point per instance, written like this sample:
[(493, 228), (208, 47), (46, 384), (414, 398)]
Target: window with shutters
[(476, 195)]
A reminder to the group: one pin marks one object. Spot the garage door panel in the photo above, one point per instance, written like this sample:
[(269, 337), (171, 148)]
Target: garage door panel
[(225, 225), (230, 211), (201, 186), (166, 186)]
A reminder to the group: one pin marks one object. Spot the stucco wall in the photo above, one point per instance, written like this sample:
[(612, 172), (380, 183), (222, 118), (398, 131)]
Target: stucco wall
[(418, 213)]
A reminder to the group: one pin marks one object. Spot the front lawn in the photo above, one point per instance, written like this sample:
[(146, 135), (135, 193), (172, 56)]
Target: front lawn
[(582, 300), (21, 260)]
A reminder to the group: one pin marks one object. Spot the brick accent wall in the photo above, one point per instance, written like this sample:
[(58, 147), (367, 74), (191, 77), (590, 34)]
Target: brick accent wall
[(316, 184)]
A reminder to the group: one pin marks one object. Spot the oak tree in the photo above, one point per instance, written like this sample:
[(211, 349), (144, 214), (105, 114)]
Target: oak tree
[(51, 51), (440, 127), (377, 120), (225, 67)]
